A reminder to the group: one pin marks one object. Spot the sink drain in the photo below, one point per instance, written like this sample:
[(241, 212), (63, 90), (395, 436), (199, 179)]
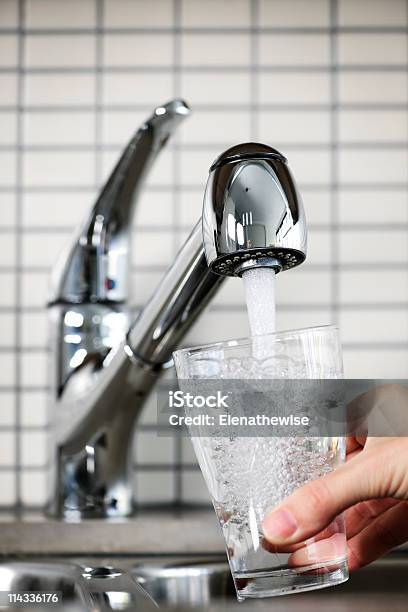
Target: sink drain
[(104, 571)]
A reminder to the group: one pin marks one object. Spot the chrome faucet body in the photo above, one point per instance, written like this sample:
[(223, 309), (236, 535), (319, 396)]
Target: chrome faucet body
[(104, 367)]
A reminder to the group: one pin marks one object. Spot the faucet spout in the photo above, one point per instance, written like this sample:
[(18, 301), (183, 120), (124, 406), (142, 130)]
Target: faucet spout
[(253, 214)]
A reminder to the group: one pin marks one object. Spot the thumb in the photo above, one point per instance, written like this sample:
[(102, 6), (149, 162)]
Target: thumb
[(314, 506)]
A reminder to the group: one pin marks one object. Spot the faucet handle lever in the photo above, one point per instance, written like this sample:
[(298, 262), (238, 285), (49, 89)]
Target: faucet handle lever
[(93, 268)]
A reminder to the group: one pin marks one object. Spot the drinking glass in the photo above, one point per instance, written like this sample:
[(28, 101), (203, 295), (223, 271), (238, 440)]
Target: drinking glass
[(247, 477)]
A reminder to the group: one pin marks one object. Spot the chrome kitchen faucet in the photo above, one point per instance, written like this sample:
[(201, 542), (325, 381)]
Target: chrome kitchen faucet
[(103, 365)]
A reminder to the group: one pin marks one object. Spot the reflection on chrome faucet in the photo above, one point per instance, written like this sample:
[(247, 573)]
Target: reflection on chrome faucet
[(101, 372), (103, 366)]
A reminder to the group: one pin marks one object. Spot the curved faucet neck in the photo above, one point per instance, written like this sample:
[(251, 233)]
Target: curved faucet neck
[(94, 266)]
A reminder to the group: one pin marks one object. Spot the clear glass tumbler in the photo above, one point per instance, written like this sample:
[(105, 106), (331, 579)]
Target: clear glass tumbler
[(248, 477)]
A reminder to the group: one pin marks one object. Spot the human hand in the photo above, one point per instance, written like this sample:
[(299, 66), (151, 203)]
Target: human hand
[(372, 487)]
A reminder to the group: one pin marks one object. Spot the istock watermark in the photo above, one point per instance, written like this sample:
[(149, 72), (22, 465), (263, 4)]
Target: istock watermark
[(179, 399), (282, 407)]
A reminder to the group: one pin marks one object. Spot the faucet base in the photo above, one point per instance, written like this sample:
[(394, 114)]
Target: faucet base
[(93, 475)]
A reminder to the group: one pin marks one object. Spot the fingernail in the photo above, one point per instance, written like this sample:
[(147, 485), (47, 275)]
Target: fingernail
[(279, 525)]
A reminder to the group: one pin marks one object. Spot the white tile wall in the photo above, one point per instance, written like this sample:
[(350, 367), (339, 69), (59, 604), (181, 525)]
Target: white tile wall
[(209, 127), (294, 49), (295, 127), (373, 126), (375, 87), (208, 87), (380, 13), (56, 128), (297, 88), (56, 209), (34, 411), (138, 14), (58, 51), (8, 51), (7, 329), (215, 49), (8, 127), (7, 449), (33, 484), (151, 449), (7, 412), (373, 287), (358, 206), (294, 13), (194, 487), (155, 487), (7, 294), (7, 369), (58, 89), (373, 166), (41, 168), (59, 14), (8, 488), (8, 89), (122, 88), (145, 49), (34, 449), (9, 17), (214, 14), (324, 80), (372, 49), (8, 169)]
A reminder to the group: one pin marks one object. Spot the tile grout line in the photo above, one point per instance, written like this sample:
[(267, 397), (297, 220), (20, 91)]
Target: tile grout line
[(197, 188), (209, 107), (18, 252), (210, 30), (185, 227), (323, 68), (254, 74), (334, 162), (97, 148), (177, 51), (400, 145), (161, 268), (231, 307), (322, 147)]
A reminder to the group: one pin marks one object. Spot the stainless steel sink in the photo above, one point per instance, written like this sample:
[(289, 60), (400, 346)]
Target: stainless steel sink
[(207, 583), (184, 582), (193, 583), (81, 585), (50, 577)]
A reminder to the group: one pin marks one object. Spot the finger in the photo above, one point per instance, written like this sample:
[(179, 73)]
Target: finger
[(353, 444), (353, 454), (357, 518), (328, 550), (274, 548), (337, 526), (312, 507), (362, 514), (386, 532)]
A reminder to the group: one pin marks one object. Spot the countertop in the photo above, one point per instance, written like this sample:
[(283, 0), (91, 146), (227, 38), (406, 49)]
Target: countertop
[(381, 586), (150, 532)]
